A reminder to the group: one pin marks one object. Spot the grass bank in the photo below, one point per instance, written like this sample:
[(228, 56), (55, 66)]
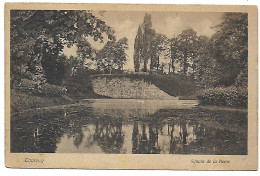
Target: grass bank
[(22, 101)]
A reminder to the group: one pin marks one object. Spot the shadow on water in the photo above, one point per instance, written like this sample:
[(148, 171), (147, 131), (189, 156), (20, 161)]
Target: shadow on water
[(133, 126)]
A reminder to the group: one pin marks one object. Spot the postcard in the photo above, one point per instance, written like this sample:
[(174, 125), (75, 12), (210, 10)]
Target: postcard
[(127, 86)]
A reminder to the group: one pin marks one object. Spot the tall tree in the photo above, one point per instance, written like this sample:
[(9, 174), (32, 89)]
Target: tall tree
[(230, 46), (148, 34), (138, 49), (112, 56), (50, 59), (224, 60), (187, 42), (202, 51), (158, 45), (172, 53), (121, 46), (105, 57), (206, 70)]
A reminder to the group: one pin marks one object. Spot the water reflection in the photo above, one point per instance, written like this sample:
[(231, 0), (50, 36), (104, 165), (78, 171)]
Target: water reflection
[(127, 108), (166, 131), (108, 135), (143, 142)]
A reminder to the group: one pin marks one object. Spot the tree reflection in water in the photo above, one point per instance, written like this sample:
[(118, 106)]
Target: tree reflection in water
[(81, 131), (141, 144), (172, 140), (109, 135), (75, 131)]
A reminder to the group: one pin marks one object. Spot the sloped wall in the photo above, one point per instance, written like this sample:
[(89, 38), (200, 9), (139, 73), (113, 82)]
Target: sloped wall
[(126, 88)]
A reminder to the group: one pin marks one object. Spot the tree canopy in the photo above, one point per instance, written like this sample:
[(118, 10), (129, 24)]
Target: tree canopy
[(112, 56), (39, 36)]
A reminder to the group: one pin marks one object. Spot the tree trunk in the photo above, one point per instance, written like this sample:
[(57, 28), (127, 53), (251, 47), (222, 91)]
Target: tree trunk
[(185, 64), (173, 67), (151, 64), (145, 65)]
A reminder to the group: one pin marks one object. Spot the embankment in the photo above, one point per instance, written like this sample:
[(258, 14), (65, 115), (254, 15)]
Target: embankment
[(125, 87)]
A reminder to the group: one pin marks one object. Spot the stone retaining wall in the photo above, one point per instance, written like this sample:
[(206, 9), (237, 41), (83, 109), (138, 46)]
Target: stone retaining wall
[(126, 88)]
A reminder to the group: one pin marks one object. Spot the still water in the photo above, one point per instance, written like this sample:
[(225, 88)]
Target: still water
[(131, 126)]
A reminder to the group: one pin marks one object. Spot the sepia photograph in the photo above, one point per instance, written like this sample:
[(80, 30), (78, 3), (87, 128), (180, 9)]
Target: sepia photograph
[(106, 82)]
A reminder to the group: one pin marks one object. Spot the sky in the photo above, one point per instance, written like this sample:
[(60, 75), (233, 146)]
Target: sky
[(125, 24)]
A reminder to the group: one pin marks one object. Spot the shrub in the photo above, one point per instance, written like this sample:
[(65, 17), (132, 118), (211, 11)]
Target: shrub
[(33, 88), (224, 96), (51, 90), (26, 85)]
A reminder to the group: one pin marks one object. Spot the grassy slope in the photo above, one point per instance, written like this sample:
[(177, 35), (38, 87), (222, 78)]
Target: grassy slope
[(21, 101)]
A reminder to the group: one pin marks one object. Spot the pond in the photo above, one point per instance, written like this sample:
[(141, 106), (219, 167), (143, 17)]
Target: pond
[(125, 126)]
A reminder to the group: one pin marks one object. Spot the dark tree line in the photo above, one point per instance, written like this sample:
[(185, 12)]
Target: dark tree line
[(38, 39), (220, 60)]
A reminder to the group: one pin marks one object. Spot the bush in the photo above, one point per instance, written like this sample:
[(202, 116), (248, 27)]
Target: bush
[(26, 85), (224, 96), (45, 89), (51, 90)]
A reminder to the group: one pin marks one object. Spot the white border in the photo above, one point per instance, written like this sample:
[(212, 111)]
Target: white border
[(65, 172)]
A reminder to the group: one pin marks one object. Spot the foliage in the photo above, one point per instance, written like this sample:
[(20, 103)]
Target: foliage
[(138, 49), (47, 90), (39, 36), (84, 52), (242, 78), (148, 46), (174, 85), (231, 39), (148, 34), (221, 96), (229, 45), (187, 45), (158, 45), (112, 56), (80, 81), (172, 53), (143, 44), (223, 64), (207, 73)]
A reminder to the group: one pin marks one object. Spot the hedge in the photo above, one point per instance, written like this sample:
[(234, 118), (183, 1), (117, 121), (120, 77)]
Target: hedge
[(224, 96)]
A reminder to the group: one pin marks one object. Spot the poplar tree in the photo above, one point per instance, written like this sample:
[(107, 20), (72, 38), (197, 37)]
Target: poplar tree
[(147, 39), (138, 49)]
